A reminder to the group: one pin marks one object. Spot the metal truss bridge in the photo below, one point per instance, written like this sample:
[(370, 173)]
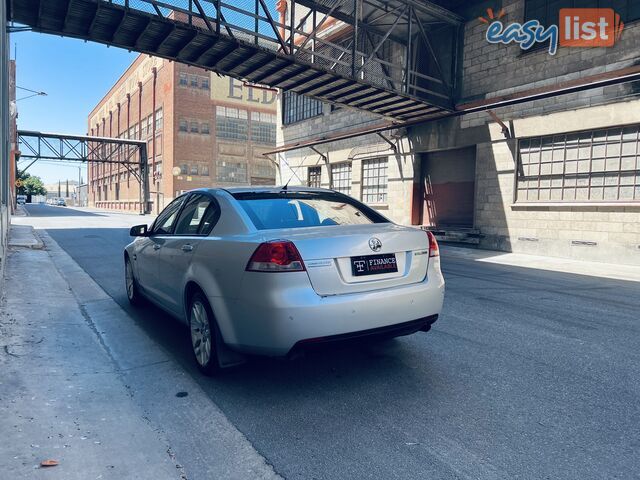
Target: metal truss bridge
[(375, 55), (127, 155)]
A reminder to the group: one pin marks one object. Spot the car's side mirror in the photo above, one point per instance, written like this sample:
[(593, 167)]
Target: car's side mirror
[(139, 231)]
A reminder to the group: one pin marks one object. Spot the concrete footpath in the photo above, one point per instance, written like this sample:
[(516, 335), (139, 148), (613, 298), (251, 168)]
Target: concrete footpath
[(68, 393)]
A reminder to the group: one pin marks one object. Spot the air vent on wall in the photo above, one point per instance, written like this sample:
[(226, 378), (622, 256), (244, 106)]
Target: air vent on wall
[(528, 239)]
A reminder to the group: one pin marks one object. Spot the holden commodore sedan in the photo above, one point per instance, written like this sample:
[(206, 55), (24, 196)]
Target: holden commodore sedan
[(272, 271)]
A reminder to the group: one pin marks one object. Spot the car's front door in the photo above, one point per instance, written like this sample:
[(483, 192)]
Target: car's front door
[(148, 252), (175, 257)]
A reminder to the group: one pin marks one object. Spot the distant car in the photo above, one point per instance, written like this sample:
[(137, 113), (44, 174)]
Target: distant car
[(271, 271), (61, 203)]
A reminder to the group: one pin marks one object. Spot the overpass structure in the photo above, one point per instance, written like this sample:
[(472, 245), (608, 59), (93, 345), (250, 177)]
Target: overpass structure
[(126, 155), (374, 55)]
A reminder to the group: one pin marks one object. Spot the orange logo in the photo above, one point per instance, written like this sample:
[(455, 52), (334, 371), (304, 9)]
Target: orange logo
[(589, 27)]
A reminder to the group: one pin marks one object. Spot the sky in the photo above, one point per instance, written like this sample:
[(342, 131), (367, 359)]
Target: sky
[(75, 75)]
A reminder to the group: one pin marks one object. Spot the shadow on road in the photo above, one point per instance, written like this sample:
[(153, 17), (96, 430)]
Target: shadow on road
[(43, 210)]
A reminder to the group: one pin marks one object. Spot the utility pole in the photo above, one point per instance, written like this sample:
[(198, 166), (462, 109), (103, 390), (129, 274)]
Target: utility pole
[(59, 192)]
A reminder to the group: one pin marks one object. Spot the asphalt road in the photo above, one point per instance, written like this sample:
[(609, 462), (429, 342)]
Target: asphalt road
[(527, 374)]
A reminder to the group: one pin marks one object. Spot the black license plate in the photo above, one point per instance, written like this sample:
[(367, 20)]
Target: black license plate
[(373, 264)]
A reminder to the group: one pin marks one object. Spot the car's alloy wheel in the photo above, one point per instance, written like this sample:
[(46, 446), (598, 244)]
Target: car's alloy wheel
[(203, 335), (130, 283)]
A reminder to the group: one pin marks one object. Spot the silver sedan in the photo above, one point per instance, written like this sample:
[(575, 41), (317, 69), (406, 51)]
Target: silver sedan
[(272, 271)]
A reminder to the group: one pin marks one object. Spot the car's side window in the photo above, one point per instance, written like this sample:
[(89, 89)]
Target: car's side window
[(193, 213), (166, 220), (210, 218)]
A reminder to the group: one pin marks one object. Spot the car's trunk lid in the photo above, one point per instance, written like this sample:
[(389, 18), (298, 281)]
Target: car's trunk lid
[(327, 252)]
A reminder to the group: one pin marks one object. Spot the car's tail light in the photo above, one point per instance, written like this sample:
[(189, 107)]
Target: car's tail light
[(276, 256), (434, 250)]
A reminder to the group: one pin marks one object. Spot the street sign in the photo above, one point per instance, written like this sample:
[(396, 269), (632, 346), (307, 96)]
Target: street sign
[(19, 183)]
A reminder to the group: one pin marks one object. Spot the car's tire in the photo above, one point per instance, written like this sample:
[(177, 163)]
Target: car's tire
[(203, 333), (131, 284)]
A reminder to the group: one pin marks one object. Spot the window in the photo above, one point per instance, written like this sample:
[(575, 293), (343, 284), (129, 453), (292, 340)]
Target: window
[(298, 107), (194, 170), (231, 123), (374, 180), (304, 209), (204, 128), (205, 170), (192, 215), (193, 127), (159, 119), (341, 177), (165, 221), (547, 11), (184, 169), (232, 172), (184, 127), (183, 81), (314, 176), (204, 83), (263, 128), (193, 80), (591, 166), (149, 125)]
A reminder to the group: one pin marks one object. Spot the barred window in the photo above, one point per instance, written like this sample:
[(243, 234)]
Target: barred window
[(263, 128), (341, 177), (205, 170), (204, 128), (204, 83), (547, 11), (590, 166), (183, 169), (183, 126), (193, 80), (233, 172), (194, 170), (159, 119), (314, 175), (193, 127), (374, 180), (231, 123), (298, 107), (183, 82)]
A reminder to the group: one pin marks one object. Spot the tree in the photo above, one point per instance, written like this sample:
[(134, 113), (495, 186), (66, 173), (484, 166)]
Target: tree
[(31, 185)]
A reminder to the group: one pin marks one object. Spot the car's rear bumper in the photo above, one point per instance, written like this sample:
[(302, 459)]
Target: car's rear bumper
[(284, 312)]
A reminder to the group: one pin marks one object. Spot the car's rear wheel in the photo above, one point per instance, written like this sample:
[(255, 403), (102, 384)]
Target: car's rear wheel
[(133, 292), (203, 335)]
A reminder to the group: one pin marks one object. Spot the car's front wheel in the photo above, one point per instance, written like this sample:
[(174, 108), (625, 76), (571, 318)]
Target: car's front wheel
[(203, 335), (133, 293)]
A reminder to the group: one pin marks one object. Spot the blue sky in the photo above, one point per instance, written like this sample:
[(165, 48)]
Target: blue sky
[(75, 75)]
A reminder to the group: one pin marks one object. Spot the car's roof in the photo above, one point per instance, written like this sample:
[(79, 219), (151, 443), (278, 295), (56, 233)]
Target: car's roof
[(269, 189)]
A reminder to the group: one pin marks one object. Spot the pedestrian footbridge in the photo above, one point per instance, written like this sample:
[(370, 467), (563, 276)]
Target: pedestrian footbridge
[(375, 55)]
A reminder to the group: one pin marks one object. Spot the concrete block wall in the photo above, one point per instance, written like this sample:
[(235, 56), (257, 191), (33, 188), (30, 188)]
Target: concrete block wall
[(494, 70)]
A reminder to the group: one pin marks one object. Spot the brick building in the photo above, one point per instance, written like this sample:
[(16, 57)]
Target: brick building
[(562, 180), (201, 129)]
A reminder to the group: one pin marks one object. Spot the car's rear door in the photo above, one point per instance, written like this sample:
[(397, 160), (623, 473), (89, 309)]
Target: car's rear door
[(178, 250)]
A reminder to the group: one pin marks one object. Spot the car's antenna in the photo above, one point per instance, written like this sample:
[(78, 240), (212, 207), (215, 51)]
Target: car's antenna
[(284, 189)]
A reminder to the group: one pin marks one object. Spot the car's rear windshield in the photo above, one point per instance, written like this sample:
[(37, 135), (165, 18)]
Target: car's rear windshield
[(270, 210)]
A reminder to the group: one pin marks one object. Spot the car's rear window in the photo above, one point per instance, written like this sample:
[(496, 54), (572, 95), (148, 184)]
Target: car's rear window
[(304, 209)]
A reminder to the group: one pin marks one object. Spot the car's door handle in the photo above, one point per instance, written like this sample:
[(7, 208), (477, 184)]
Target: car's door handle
[(157, 247), (187, 248)]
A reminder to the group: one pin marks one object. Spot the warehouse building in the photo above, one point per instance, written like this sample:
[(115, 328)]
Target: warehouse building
[(201, 129), (552, 168)]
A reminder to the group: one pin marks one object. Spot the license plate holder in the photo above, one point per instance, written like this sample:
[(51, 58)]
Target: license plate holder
[(374, 264)]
